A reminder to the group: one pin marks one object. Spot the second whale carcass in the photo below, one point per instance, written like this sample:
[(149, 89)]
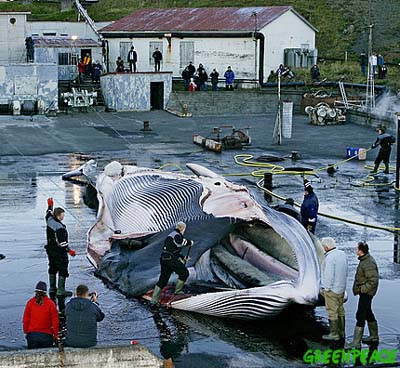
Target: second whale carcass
[(249, 261)]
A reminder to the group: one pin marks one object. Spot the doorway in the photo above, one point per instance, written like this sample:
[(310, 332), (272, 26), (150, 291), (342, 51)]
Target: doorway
[(86, 51), (157, 95)]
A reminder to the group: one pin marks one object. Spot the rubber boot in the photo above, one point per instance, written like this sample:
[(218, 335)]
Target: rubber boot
[(342, 327), (373, 333), (375, 170), (334, 334), (356, 343), (155, 299), (61, 292), (179, 287), (386, 169), (53, 287)]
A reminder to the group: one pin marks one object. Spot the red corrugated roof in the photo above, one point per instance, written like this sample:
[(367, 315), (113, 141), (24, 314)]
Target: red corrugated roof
[(196, 19), (54, 41)]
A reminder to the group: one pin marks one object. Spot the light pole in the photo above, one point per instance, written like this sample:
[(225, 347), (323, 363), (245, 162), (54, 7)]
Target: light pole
[(74, 38), (396, 245), (254, 14)]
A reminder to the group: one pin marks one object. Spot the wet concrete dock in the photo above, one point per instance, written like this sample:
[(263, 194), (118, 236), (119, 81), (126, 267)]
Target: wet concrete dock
[(34, 154)]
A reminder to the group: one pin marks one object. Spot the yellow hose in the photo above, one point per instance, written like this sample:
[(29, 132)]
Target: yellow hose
[(246, 161), (170, 164), (359, 223)]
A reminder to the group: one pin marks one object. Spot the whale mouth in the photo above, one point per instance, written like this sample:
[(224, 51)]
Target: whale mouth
[(235, 256), (251, 255)]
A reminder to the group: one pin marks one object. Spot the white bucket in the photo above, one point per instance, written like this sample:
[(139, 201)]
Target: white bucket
[(362, 154)]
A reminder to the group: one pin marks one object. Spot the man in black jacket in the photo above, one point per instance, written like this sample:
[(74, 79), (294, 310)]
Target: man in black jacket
[(191, 70), (82, 314), (385, 140), (57, 249), (214, 79), (172, 261), (157, 56), (132, 59)]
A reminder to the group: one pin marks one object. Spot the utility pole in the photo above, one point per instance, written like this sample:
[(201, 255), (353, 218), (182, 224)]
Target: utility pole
[(370, 95), (398, 153), (396, 245), (277, 135), (254, 14)]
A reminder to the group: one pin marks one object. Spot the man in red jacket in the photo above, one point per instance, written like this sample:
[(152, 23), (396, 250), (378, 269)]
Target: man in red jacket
[(40, 319)]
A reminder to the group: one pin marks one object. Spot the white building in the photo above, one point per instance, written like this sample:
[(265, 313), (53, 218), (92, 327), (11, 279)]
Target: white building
[(63, 29), (251, 40), (13, 30)]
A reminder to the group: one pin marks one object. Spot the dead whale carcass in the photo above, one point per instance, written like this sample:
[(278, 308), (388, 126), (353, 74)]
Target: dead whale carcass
[(258, 259)]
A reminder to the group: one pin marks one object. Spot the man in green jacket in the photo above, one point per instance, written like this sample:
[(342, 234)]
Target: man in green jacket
[(365, 285)]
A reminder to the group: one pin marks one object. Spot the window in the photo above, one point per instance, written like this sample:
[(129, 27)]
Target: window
[(49, 33), (124, 48), (186, 53), (152, 47), (64, 34), (67, 58)]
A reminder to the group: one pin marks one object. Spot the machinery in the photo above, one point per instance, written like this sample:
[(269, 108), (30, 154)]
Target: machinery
[(216, 142), (79, 99), (323, 114)]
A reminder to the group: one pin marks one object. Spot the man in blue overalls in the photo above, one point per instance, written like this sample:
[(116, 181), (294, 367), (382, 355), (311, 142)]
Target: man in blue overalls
[(309, 208), (172, 261)]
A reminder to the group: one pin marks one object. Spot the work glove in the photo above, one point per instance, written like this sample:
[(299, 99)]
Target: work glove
[(311, 220), (50, 203), (71, 252), (309, 227)]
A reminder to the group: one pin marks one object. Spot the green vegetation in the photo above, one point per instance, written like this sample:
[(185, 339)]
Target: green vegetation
[(342, 24), (40, 10), (349, 72)]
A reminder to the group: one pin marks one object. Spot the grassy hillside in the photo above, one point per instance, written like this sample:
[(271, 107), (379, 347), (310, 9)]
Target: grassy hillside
[(343, 24)]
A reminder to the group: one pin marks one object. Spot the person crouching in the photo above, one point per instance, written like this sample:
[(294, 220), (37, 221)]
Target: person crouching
[(82, 314), (40, 319)]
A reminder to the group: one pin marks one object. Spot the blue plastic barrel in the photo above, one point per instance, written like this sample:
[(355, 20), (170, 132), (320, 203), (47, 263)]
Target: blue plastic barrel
[(351, 151)]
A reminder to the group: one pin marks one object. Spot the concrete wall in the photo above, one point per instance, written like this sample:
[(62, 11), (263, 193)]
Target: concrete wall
[(131, 91), (99, 357), (29, 82), (372, 120), (233, 103), (12, 37), (49, 55), (286, 31), (80, 29)]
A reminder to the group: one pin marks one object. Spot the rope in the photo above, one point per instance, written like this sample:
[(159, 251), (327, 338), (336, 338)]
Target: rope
[(333, 217), (168, 164)]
